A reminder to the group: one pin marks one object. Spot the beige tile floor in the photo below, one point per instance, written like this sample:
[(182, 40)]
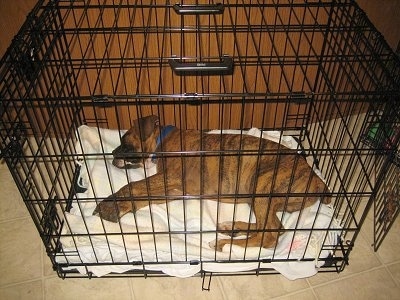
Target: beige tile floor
[(25, 272)]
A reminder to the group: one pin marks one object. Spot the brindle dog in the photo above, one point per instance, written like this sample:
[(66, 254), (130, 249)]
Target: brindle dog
[(269, 177)]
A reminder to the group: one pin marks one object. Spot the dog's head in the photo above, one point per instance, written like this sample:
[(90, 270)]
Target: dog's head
[(136, 142)]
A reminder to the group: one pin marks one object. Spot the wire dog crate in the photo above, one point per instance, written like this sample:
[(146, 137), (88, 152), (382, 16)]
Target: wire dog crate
[(314, 77)]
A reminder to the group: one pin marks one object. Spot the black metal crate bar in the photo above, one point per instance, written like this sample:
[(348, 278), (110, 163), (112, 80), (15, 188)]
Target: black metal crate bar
[(315, 71)]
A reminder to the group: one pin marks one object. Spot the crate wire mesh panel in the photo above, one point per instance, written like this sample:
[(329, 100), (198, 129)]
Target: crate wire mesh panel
[(313, 76)]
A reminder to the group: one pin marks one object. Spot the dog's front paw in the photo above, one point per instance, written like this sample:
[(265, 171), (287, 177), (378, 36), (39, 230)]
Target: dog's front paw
[(228, 229), (112, 210), (216, 245), (107, 210)]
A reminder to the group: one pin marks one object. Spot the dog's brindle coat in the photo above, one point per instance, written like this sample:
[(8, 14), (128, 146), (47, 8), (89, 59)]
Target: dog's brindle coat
[(283, 182)]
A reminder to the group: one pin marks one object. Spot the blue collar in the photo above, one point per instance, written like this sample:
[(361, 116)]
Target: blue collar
[(163, 133)]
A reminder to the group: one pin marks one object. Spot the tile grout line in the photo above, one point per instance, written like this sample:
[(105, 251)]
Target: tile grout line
[(43, 288), (351, 276), (294, 293), (43, 270), (383, 263), (386, 265), (36, 279), (391, 275), (20, 282), (220, 286), (28, 217), (312, 287), (314, 293), (131, 289)]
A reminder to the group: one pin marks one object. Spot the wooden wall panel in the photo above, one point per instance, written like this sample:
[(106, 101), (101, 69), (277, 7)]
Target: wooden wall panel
[(384, 14), (12, 16), (280, 78)]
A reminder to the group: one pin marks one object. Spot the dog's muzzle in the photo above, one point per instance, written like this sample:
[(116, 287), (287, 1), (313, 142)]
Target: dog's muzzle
[(125, 158), (124, 164)]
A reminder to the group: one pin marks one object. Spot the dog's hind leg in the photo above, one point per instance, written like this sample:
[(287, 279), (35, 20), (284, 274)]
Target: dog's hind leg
[(268, 227)]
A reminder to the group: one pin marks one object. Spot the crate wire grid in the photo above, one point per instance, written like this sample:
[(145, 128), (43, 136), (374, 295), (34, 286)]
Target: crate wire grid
[(315, 69)]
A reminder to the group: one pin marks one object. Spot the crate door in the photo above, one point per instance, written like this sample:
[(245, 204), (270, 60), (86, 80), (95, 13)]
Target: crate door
[(385, 137), (387, 201)]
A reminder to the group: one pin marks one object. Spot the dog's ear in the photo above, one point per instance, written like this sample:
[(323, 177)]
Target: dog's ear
[(146, 126)]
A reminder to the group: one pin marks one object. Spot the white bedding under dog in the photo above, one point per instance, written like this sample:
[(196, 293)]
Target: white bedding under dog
[(85, 241)]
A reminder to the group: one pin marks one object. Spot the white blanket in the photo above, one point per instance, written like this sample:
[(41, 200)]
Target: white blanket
[(89, 239)]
